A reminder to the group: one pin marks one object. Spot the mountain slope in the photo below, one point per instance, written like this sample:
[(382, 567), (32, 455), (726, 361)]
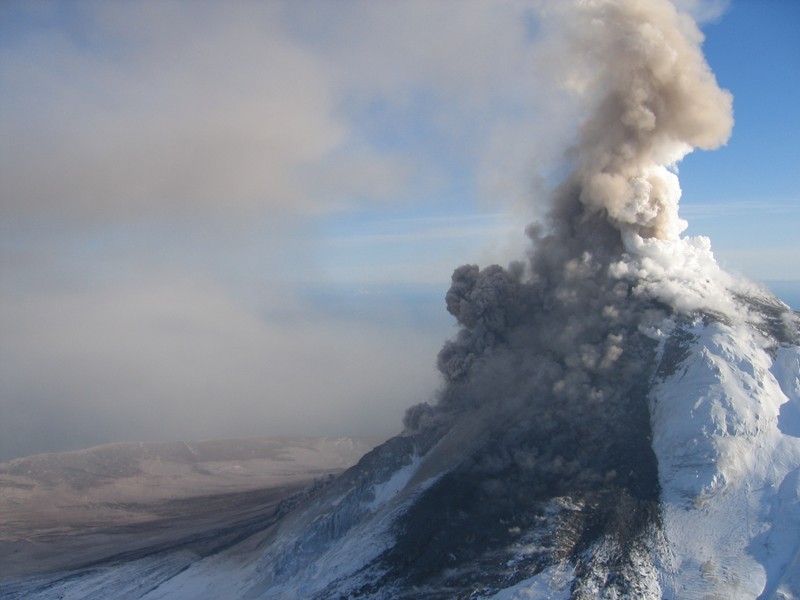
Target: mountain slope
[(723, 523), (725, 433)]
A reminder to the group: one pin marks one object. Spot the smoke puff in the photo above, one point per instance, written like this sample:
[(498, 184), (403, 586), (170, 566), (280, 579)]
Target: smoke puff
[(484, 303)]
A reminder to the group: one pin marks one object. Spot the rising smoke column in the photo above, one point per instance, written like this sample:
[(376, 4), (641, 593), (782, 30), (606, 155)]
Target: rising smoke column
[(650, 98), (545, 385), (657, 100)]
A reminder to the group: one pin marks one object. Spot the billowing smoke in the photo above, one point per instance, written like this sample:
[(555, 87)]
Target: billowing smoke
[(656, 100), (560, 324), (545, 385)]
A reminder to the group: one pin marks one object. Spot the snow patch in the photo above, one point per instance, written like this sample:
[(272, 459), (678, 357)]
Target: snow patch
[(554, 583), (386, 491)]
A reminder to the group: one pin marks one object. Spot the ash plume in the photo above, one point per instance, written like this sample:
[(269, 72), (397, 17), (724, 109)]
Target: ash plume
[(657, 99), (545, 385), (562, 321)]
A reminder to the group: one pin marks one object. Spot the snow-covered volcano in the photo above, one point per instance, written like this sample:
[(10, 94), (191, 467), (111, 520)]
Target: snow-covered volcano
[(618, 418), (688, 489)]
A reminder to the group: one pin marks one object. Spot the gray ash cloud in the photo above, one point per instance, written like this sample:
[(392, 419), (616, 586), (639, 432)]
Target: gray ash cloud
[(560, 331)]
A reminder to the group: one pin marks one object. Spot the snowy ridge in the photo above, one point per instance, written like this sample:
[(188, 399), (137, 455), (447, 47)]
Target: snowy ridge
[(728, 459), (306, 542)]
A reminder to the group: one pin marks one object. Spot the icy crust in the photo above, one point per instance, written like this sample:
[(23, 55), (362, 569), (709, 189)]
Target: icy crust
[(725, 434)]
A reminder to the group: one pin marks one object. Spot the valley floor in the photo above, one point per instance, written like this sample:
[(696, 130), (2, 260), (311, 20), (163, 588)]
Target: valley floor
[(202, 525)]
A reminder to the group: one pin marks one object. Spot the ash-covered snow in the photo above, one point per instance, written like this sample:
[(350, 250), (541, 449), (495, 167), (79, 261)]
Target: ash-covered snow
[(330, 546), (386, 491)]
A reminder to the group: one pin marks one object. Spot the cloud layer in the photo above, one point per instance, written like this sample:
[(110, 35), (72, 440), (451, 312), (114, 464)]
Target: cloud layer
[(184, 360), (121, 110)]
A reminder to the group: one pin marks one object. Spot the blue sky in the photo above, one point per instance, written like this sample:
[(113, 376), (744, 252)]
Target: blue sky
[(746, 195), (227, 219)]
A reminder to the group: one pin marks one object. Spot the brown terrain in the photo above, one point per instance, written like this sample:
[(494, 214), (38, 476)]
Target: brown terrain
[(60, 512)]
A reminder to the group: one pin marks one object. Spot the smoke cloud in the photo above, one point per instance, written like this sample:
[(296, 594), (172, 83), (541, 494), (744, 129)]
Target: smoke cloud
[(609, 257), (546, 383)]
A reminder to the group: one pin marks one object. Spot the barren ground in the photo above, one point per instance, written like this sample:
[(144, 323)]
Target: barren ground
[(60, 512)]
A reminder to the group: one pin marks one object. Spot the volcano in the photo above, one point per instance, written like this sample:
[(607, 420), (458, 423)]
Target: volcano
[(618, 418), (685, 485)]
